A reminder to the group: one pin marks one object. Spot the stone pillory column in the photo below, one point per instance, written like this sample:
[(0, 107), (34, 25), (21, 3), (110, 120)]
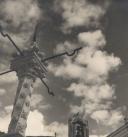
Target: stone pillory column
[(27, 68), (29, 65), (21, 108)]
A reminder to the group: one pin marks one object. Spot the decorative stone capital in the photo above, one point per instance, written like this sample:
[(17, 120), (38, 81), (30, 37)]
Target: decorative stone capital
[(29, 64)]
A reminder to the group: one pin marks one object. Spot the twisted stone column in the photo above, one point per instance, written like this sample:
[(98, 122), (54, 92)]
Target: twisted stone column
[(21, 106)]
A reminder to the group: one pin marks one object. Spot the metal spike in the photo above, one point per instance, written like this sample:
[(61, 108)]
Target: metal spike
[(61, 54), (35, 33), (6, 35), (51, 93), (1, 29), (5, 72)]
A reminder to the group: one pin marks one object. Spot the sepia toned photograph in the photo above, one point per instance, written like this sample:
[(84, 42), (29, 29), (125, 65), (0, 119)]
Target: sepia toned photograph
[(63, 68)]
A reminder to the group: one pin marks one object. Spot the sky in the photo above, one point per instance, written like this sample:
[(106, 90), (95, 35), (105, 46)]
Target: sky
[(92, 82)]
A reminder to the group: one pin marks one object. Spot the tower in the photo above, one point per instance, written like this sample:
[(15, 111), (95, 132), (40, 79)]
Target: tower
[(77, 127)]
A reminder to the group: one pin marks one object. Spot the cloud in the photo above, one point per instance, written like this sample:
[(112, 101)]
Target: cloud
[(101, 91), (9, 108), (19, 12), (60, 129), (8, 78), (2, 92), (94, 39), (66, 46), (35, 100), (91, 69), (66, 69), (97, 135), (98, 64), (104, 117), (18, 18), (4, 122), (36, 125), (5, 117), (91, 64), (80, 13)]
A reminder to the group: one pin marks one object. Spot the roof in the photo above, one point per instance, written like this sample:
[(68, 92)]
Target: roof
[(2, 134), (120, 132)]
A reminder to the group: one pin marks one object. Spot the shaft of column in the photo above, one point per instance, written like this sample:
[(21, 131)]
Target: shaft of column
[(21, 106)]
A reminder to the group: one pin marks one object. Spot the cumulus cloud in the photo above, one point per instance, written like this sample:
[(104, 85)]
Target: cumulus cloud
[(85, 69), (2, 92), (20, 12), (101, 91), (97, 135), (80, 13), (104, 117), (60, 129), (8, 78), (8, 109), (35, 121), (18, 18), (5, 117), (94, 39), (36, 125), (37, 102), (4, 122), (91, 69), (36, 99), (66, 69), (66, 46), (94, 63)]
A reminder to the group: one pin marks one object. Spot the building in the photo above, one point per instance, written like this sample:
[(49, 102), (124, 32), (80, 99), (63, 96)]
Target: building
[(77, 127)]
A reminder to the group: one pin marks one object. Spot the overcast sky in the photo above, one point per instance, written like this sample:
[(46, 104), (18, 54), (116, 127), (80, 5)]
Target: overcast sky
[(93, 82)]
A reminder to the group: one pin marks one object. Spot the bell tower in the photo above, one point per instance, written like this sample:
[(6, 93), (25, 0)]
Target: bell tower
[(77, 127)]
